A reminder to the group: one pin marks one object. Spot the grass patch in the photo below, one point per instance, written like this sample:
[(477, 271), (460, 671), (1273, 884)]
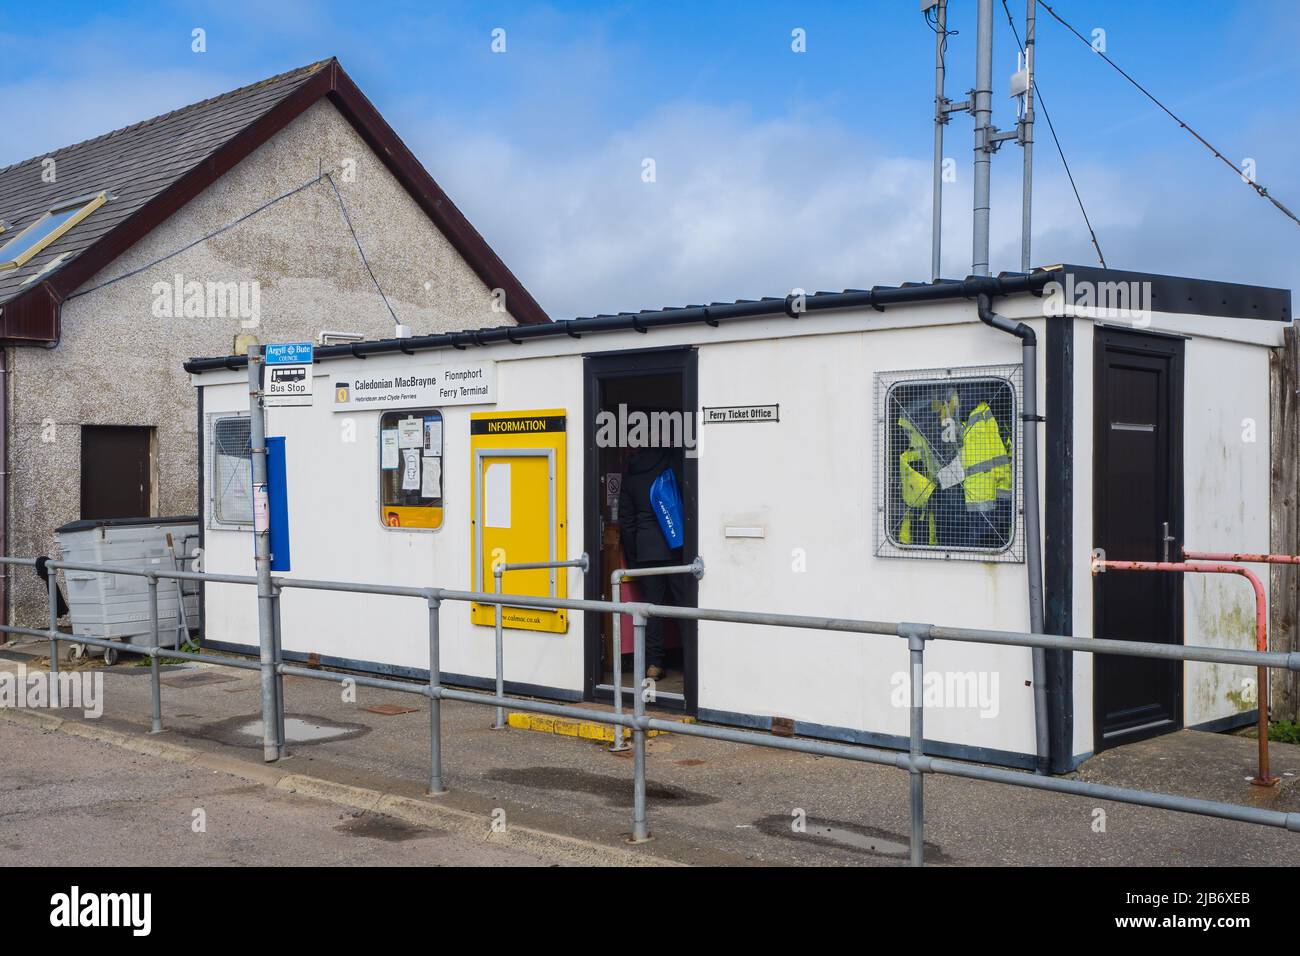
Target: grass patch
[(190, 647), (1284, 731)]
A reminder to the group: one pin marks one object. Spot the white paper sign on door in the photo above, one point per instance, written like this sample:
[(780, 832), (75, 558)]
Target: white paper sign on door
[(496, 495)]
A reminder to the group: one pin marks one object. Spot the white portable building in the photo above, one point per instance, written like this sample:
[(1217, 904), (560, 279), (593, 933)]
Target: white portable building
[(420, 458)]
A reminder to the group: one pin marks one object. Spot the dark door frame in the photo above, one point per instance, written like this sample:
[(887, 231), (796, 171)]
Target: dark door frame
[(630, 364), (1108, 340), (1058, 536)]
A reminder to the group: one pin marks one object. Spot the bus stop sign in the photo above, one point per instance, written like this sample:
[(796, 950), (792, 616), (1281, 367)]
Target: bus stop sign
[(288, 373)]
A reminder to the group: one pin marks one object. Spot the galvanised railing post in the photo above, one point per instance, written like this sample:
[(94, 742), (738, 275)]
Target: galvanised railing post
[(435, 698), (155, 677), (500, 722), (619, 575), (277, 652), (498, 571), (619, 743), (915, 635), (53, 590), (639, 831), (262, 554)]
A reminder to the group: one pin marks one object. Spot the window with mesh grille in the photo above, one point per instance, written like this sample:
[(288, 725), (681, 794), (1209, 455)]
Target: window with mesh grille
[(232, 470), (947, 469)]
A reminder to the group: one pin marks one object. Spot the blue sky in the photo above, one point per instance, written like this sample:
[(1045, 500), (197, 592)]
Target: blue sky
[(774, 169)]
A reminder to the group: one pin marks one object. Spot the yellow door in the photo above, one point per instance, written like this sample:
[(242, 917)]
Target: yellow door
[(515, 510)]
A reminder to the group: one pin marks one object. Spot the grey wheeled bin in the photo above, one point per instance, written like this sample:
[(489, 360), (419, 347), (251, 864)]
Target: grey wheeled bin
[(116, 606)]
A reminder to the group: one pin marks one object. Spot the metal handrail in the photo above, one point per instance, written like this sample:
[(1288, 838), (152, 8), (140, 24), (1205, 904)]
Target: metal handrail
[(1262, 778), (582, 562), (616, 578), (915, 761), (1244, 557)]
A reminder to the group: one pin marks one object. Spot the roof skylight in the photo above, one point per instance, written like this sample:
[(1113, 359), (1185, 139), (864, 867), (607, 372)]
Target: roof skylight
[(48, 228)]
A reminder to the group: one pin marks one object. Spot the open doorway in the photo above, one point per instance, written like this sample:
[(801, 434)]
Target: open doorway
[(639, 422)]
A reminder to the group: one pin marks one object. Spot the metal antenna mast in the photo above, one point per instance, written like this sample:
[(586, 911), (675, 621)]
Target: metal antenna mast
[(988, 138), (940, 119), (943, 107), (982, 110), (1026, 129)]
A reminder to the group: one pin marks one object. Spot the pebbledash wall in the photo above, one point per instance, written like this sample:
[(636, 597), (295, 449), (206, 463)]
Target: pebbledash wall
[(118, 363), (809, 482)]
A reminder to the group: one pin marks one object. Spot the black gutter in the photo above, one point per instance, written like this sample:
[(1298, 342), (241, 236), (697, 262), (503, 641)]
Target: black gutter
[(877, 298)]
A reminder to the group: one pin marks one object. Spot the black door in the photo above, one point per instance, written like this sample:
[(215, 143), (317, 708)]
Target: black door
[(115, 471), (1138, 516), (654, 381)]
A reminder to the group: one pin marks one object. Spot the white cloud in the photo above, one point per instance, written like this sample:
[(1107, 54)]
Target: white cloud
[(743, 208), (738, 209)]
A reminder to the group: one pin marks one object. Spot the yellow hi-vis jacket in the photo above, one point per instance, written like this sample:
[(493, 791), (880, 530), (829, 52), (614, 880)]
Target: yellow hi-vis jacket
[(916, 468), (985, 461)]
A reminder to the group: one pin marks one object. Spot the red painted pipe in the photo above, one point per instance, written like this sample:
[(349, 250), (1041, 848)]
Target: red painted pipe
[(1262, 779), (1241, 557)]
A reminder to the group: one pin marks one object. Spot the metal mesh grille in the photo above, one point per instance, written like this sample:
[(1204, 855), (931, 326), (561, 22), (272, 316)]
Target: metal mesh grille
[(232, 470), (947, 469)]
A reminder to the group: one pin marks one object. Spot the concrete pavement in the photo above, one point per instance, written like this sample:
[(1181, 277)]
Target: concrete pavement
[(77, 801), (563, 799)]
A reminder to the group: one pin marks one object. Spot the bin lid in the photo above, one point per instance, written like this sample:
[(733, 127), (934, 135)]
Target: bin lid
[(87, 524)]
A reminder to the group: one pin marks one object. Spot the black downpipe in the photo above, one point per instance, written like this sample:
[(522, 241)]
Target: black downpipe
[(1033, 532)]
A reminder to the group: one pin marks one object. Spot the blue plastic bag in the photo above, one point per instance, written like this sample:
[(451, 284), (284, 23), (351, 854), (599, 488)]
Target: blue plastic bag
[(667, 505)]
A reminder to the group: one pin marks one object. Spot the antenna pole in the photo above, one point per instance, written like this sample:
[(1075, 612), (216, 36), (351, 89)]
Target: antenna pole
[(1027, 137), (940, 120), (982, 108)]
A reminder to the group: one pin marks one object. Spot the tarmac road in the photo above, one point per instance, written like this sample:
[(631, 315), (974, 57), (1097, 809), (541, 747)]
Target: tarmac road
[(68, 801)]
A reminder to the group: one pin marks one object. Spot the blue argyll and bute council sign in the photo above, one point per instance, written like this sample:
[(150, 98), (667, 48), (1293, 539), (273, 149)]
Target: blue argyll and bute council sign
[(289, 353)]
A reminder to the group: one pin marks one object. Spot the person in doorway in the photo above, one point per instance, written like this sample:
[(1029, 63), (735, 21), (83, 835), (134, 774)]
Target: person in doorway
[(644, 544)]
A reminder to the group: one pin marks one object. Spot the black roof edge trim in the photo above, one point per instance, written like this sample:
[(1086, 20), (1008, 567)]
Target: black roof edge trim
[(877, 298)]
